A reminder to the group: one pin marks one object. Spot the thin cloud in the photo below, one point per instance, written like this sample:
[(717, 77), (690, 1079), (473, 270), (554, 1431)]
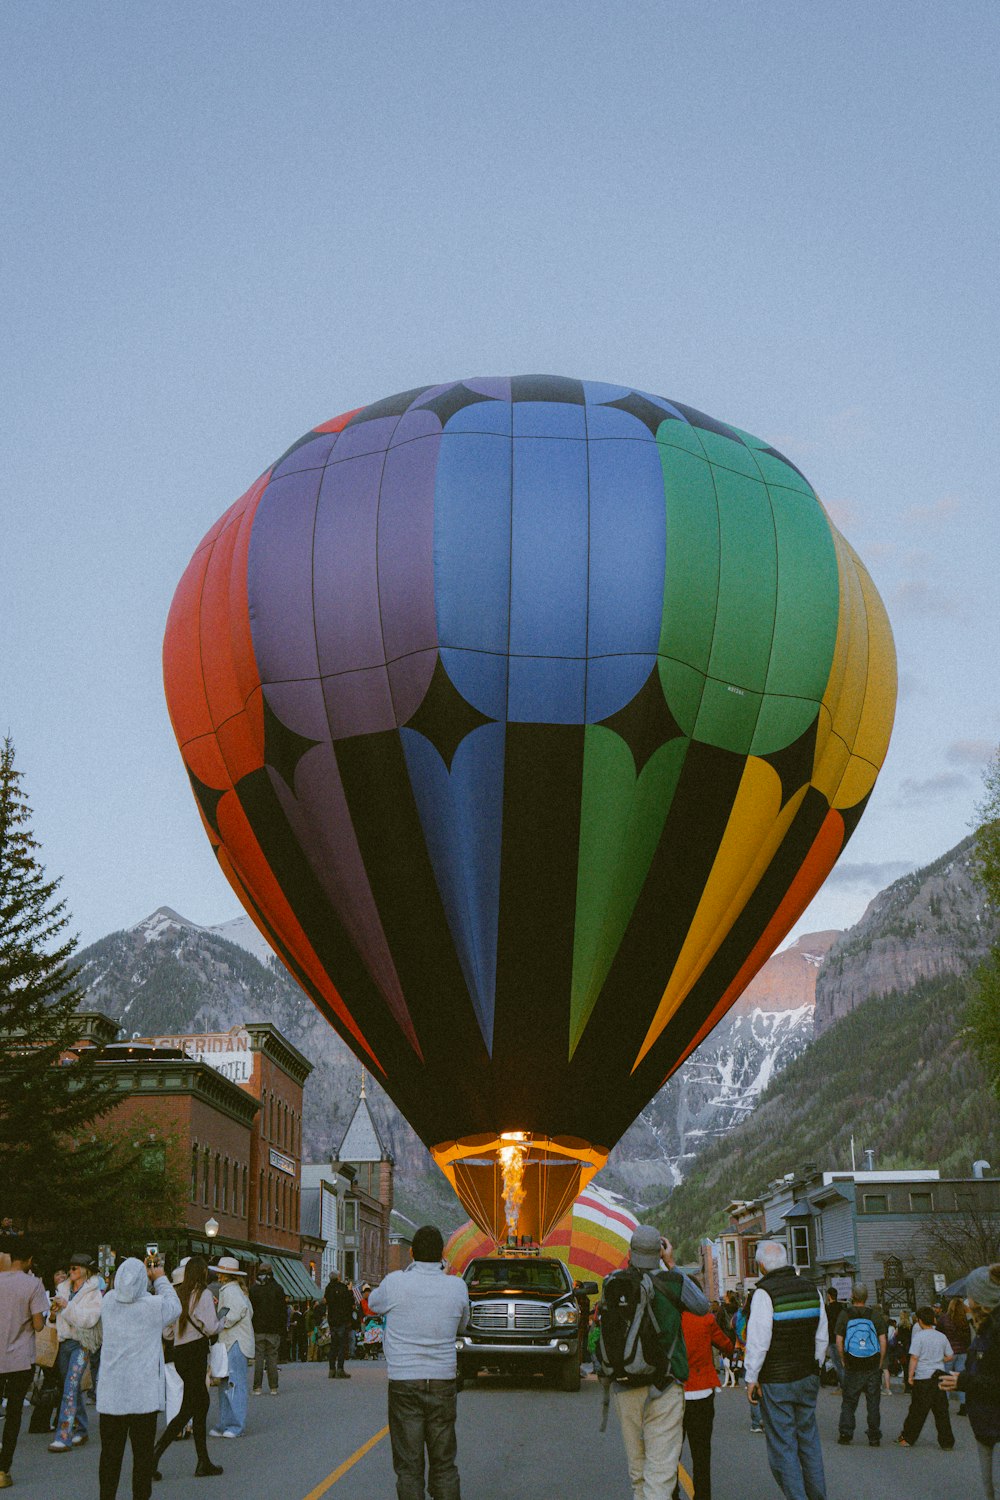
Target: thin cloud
[(932, 788), (974, 753), (876, 875), (910, 686), (843, 513), (915, 596), (938, 510)]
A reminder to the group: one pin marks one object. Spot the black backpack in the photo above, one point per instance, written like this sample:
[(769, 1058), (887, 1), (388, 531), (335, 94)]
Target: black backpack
[(630, 1350)]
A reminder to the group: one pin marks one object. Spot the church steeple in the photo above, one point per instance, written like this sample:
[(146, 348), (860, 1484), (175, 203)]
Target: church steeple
[(362, 1140)]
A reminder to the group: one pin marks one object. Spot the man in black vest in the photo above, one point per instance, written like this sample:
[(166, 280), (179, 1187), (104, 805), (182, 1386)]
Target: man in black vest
[(785, 1347)]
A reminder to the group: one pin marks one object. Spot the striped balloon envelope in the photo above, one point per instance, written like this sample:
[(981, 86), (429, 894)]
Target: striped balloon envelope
[(592, 1239), (525, 717)]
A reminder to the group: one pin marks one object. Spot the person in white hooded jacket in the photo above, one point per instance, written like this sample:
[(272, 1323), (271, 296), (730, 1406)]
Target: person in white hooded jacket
[(76, 1312), (131, 1386)]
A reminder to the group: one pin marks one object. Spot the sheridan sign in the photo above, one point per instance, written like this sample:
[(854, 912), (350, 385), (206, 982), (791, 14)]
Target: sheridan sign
[(228, 1052)]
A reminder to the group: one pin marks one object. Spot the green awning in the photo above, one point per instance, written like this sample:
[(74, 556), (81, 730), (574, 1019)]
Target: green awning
[(293, 1277)]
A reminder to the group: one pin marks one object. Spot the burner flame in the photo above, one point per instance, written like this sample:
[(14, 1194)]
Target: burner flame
[(512, 1167)]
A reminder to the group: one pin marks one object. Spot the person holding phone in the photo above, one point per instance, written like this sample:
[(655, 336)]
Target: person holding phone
[(132, 1390)]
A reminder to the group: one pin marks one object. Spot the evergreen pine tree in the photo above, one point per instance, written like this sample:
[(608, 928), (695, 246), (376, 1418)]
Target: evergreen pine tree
[(59, 1176)]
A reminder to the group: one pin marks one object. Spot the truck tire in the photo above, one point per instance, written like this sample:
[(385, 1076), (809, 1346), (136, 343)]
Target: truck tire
[(463, 1373), (569, 1374)]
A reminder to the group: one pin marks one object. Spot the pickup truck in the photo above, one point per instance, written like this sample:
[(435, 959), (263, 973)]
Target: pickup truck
[(524, 1319)]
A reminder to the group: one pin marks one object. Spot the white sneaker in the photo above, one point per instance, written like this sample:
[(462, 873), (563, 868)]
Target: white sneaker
[(258, 1392), (216, 1432), (274, 1392), (231, 1434)]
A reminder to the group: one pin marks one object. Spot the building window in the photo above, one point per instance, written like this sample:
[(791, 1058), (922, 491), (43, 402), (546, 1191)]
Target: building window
[(205, 1170), (921, 1203), (218, 1165), (194, 1174), (243, 1210), (730, 1258), (225, 1185), (260, 1198), (270, 1117), (876, 1203), (800, 1247)]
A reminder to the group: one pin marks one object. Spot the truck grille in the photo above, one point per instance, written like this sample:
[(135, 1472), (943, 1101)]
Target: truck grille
[(491, 1315), (528, 1317)]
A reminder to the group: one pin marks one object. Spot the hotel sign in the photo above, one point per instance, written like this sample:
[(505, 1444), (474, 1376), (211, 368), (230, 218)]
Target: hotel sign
[(281, 1161), (228, 1052)]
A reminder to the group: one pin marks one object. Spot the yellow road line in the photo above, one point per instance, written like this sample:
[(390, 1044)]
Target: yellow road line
[(341, 1470), (682, 1474)]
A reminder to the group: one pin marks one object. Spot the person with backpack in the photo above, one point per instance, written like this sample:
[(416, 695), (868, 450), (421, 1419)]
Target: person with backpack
[(862, 1337), (641, 1354), (786, 1346)]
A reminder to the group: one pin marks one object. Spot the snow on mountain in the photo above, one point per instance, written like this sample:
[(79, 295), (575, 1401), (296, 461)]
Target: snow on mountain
[(239, 930), (719, 1085)]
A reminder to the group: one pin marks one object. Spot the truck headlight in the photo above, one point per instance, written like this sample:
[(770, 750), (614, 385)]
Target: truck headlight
[(566, 1315)]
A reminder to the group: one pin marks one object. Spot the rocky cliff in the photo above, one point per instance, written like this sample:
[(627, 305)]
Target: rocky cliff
[(932, 923), (719, 1085)]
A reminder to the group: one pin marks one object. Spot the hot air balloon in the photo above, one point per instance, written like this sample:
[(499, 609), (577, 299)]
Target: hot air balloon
[(592, 1239), (525, 716)]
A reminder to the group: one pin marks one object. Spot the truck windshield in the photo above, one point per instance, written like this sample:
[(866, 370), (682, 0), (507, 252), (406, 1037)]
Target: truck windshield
[(525, 1276)]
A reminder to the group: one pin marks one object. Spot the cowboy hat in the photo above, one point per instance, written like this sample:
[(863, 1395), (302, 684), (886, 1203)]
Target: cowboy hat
[(229, 1266)]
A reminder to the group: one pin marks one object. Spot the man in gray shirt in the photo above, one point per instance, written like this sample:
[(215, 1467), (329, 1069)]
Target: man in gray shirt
[(425, 1309)]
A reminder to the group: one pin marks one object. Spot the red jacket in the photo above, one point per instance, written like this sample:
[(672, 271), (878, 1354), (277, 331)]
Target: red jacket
[(700, 1333)]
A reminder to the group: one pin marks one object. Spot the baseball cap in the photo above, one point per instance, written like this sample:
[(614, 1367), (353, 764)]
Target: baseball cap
[(644, 1247)]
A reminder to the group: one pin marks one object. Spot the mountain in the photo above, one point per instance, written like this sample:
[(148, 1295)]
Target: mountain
[(719, 1085), (891, 1063), (896, 1073), (928, 924), (170, 974), (167, 974)]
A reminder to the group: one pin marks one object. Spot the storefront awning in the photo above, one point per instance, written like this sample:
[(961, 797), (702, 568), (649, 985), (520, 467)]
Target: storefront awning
[(293, 1277)]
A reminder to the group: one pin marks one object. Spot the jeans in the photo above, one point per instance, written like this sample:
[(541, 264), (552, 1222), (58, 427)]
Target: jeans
[(756, 1425), (340, 1343), (989, 1464), (928, 1397), (422, 1416), (233, 1395), (792, 1437), (266, 1345), (14, 1387), (855, 1384), (72, 1411), (652, 1431), (140, 1429)]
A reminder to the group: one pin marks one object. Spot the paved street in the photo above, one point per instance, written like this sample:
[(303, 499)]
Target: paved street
[(514, 1439)]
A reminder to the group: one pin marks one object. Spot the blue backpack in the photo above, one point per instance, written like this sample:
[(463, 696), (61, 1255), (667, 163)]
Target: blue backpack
[(861, 1339)]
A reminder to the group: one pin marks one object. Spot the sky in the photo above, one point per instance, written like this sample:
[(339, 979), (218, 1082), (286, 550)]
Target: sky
[(223, 224)]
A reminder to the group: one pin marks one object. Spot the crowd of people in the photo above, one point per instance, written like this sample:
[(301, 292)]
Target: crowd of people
[(780, 1342), (151, 1344)]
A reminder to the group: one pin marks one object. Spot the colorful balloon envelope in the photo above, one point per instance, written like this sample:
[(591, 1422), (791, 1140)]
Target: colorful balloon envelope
[(592, 1239), (526, 716)]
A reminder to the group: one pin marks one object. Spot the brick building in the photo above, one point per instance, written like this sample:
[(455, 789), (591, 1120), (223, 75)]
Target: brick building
[(231, 1103)]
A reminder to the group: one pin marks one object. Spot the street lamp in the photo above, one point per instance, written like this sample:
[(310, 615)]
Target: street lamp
[(212, 1228)]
